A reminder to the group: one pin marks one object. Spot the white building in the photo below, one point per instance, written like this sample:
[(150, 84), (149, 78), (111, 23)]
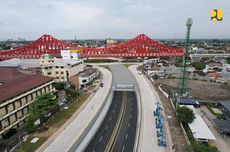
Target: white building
[(87, 77), (199, 128), (61, 69), (70, 54)]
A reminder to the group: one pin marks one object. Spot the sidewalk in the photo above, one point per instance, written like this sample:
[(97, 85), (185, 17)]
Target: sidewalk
[(73, 128), (148, 138)]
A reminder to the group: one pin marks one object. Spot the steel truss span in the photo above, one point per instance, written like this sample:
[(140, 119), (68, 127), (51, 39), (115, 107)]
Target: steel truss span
[(140, 46)]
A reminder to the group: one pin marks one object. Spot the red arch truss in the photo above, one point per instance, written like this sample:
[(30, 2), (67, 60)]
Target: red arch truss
[(140, 46)]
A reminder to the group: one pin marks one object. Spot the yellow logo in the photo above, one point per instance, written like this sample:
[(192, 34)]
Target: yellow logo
[(216, 15)]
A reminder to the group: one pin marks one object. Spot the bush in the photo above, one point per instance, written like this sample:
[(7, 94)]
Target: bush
[(197, 147), (185, 114)]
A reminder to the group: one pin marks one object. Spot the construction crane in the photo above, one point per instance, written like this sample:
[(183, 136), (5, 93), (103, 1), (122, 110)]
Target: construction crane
[(183, 89)]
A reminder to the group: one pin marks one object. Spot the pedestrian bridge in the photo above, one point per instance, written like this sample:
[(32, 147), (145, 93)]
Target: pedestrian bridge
[(123, 87)]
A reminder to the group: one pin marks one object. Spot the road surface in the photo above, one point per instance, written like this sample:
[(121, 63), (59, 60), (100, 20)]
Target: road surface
[(118, 130)]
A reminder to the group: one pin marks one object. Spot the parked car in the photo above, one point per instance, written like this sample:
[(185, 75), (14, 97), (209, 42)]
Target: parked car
[(101, 85)]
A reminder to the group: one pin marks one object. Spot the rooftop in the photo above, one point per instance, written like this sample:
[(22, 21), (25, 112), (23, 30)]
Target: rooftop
[(15, 83), (199, 128), (226, 104), (24, 63), (223, 125), (87, 72), (187, 101)]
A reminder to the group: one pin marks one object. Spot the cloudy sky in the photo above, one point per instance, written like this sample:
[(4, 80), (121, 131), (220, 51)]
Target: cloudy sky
[(65, 19)]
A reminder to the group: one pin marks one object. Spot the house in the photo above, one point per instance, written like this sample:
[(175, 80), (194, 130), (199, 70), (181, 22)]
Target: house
[(213, 66)]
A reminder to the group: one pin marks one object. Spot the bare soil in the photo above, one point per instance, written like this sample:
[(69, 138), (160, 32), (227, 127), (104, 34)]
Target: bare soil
[(180, 144), (202, 90)]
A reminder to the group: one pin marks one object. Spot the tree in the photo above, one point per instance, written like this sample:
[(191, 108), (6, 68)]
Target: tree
[(59, 86), (42, 105), (198, 65), (155, 77), (228, 60), (185, 114)]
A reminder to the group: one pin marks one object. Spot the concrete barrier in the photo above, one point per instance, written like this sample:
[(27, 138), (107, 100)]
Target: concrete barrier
[(82, 142)]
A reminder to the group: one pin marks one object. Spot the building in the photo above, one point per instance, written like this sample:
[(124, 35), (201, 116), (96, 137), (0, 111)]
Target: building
[(70, 54), (61, 69), (22, 63), (213, 66), (110, 42), (87, 76), (17, 92), (215, 57), (199, 128)]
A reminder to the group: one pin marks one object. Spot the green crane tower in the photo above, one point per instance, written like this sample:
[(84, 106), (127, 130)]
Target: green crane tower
[(183, 89)]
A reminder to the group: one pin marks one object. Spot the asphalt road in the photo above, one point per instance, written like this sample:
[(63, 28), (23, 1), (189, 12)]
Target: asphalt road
[(127, 133), (124, 138), (101, 138)]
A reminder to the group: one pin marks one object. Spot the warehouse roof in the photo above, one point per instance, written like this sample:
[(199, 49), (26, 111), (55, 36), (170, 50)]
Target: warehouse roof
[(14, 83), (199, 128)]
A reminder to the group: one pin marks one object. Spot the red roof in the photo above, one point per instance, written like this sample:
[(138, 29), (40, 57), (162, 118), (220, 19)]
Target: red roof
[(15, 83)]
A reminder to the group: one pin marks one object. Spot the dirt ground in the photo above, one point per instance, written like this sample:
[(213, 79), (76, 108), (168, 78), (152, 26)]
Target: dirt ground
[(199, 89), (180, 144)]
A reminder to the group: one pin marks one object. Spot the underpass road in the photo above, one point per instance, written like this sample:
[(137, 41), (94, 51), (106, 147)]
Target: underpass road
[(101, 138), (126, 136), (121, 117)]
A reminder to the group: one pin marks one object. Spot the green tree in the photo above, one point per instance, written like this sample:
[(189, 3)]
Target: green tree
[(185, 114), (228, 60), (198, 65), (42, 105), (59, 86), (155, 77)]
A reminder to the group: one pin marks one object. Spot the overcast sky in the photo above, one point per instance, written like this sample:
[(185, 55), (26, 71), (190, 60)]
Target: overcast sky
[(65, 19)]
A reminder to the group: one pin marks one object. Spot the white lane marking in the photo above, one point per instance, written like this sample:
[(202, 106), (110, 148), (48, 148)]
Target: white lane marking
[(129, 124), (130, 116), (110, 118), (106, 127), (100, 139), (123, 148), (126, 135), (131, 109)]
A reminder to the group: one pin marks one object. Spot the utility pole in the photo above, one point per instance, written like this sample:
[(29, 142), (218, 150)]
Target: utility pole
[(183, 90)]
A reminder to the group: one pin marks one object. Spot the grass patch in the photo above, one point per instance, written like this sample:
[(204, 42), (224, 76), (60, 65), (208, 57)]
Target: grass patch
[(127, 65), (63, 115), (99, 60), (56, 121), (29, 147), (218, 115)]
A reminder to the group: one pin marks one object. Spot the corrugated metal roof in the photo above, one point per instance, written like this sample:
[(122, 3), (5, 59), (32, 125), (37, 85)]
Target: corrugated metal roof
[(15, 83)]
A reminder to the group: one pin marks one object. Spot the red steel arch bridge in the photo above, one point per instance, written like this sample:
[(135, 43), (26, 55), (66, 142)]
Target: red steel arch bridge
[(140, 46)]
